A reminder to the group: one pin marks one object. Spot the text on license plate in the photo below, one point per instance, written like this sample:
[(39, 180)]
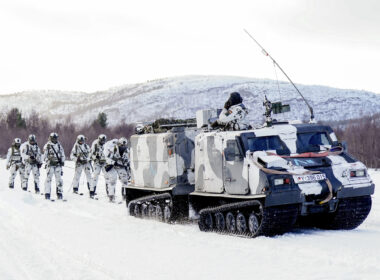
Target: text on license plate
[(309, 178)]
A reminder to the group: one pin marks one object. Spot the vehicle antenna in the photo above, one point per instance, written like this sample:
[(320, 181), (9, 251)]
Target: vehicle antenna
[(279, 67)]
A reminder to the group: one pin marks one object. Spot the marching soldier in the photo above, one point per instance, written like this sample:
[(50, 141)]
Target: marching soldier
[(99, 159), (117, 158), (14, 163), (31, 158), (54, 158), (80, 154)]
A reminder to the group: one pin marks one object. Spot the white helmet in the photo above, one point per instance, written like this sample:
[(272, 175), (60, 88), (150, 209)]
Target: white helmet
[(139, 129), (32, 139), (81, 138), (17, 141), (122, 141), (53, 137), (102, 138)]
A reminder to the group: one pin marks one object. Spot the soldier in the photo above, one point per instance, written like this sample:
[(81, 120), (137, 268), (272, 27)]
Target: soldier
[(54, 158), (117, 159), (81, 155), (31, 158), (97, 155), (232, 114), (14, 163)]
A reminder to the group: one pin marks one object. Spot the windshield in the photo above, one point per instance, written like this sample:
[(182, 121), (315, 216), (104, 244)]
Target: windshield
[(267, 143), (312, 142)]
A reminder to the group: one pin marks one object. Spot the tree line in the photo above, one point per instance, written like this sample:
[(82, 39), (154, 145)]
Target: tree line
[(362, 137), (14, 125)]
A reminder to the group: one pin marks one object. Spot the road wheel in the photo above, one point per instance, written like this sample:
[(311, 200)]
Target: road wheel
[(230, 222), (253, 224), (220, 222), (137, 210), (151, 211), (241, 223), (159, 213), (167, 214)]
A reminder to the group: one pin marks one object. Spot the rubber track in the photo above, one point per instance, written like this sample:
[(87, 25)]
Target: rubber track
[(351, 212), (274, 220), (147, 198)]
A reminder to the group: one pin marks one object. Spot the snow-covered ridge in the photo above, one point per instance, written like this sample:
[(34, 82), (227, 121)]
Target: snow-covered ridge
[(181, 97)]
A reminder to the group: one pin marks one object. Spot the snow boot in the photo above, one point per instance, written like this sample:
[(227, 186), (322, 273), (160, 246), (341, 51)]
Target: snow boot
[(75, 190), (11, 186), (92, 194), (59, 196), (24, 189), (112, 198), (36, 188), (47, 196)]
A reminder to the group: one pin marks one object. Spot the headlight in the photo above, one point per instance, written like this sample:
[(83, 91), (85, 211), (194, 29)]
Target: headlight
[(357, 173)]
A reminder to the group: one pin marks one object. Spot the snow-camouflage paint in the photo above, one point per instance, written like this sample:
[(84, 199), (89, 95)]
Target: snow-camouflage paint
[(163, 160), (225, 166), (220, 163)]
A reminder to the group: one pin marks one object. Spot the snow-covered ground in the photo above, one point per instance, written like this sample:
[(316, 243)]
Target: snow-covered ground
[(88, 239)]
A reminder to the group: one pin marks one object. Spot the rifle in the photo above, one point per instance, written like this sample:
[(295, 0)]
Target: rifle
[(123, 161), (56, 154), (34, 155), (86, 155)]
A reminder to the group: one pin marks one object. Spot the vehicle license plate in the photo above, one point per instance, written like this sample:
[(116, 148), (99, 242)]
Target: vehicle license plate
[(309, 178)]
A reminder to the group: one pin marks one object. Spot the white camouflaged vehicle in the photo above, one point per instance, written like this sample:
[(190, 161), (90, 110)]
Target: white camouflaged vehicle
[(249, 182)]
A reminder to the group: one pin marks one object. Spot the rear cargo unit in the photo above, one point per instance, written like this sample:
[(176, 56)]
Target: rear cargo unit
[(162, 172)]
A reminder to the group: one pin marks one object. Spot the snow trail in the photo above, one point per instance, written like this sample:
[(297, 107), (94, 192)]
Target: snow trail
[(89, 239)]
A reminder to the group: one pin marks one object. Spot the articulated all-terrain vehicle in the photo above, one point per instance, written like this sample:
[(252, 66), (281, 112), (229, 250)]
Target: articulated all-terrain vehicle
[(248, 182)]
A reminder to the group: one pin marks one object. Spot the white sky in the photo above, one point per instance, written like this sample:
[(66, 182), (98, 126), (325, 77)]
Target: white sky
[(92, 45)]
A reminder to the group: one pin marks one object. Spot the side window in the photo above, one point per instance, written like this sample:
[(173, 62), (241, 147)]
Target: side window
[(231, 152)]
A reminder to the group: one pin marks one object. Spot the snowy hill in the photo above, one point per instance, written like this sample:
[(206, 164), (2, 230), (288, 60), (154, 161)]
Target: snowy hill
[(89, 239), (180, 97)]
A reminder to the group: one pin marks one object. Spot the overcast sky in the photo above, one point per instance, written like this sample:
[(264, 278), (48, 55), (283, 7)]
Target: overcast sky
[(92, 45)]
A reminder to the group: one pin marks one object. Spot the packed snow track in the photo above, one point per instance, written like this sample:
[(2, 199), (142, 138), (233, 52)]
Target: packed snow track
[(94, 239)]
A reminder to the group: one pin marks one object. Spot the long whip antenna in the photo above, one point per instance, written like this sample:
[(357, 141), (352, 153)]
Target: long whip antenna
[(279, 67)]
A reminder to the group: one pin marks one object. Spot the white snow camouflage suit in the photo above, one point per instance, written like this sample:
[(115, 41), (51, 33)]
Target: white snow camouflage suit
[(117, 165), (80, 154), (31, 158), (99, 159), (233, 116), (14, 163), (54, 162)]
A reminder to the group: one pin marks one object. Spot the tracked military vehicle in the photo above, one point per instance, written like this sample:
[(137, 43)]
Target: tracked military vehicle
[(262, 181), (248, 182)]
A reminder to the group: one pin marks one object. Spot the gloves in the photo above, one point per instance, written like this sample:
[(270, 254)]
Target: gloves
[(39, 164), (8, 166), (62, 163), (108, 168)]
